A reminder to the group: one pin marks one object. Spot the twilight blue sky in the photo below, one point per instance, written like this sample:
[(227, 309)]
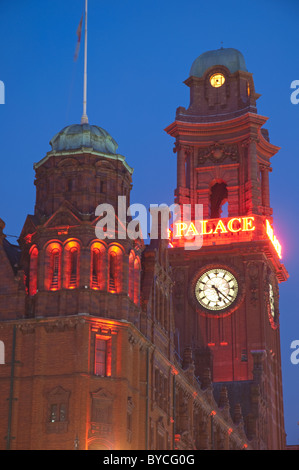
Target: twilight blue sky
[(139, 54)]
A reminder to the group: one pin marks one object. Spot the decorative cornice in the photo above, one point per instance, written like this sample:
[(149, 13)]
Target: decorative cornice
[(84, 150)]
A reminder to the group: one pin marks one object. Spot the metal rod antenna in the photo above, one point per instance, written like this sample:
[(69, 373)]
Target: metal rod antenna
[(84, 119)]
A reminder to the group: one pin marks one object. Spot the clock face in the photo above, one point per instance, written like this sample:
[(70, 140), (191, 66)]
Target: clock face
[(216, 289), (271, 300), (217, 80)]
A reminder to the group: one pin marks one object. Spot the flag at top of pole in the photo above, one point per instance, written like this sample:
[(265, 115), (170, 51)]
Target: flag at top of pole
[(79, 31)]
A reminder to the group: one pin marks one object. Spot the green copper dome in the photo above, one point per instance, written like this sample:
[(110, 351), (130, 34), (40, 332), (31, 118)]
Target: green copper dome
[(76, 136), (230, 58)]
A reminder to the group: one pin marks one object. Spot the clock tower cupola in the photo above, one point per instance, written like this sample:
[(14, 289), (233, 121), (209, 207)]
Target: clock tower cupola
[(223, 153)]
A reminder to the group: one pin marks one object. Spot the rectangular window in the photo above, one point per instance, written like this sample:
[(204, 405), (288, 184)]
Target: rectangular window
[(103, 356), (58, 412), (62, 412), (53, 414)]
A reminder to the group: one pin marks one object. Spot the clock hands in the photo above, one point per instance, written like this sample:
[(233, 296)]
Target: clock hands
[(216, 289), (220, 293)]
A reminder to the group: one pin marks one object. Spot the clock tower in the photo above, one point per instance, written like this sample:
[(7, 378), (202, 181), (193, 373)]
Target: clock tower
[(226, 294)]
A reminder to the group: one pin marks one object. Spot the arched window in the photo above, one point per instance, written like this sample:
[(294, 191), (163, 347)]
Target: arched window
[(95, 263), (131, 275), (53, 266), (73, 267), (112, 271), (71, 264), (33, 271), (98, 271), (55, 270), (115, 269), (218, 197), (136, 281)]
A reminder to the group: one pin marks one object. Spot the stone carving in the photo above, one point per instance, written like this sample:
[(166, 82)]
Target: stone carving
[(218, 153)]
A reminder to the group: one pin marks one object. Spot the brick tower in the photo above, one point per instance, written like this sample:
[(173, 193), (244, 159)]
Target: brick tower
[(226, 296), (66, 265)]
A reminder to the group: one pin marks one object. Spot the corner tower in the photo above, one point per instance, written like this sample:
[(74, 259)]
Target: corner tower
[(68, 269), (226, 293)]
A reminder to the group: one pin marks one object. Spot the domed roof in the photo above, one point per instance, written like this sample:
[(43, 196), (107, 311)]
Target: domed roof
[(230, 58), (77, 136)]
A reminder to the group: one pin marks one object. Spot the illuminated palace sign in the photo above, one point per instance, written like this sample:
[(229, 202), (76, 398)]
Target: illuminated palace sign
[(209, 227), (272, 237), (222, 226)]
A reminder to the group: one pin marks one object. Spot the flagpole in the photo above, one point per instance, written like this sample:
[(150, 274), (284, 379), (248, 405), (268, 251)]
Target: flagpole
[(84, 119)]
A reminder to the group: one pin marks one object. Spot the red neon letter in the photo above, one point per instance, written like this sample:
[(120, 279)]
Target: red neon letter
[(230, 225), (204, 228), (220, 226), (248, 224), (191, 229)]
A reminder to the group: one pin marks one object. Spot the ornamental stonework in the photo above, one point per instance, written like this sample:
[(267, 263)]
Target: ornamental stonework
[(217, 153)]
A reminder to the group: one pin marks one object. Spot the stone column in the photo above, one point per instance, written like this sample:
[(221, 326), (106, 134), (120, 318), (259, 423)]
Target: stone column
[(181, 177), (233, 201), (265, 185), (253, 175)]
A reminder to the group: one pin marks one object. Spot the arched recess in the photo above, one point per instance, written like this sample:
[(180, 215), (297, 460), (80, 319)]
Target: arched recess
[(134, 277), (218, 197), (131, 274), (137, 267), (71, 264), (53, 254), (98, 266), (115, 269), (33, 264)]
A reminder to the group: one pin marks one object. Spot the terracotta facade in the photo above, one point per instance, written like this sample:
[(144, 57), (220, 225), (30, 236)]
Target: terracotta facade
[(103, 344)]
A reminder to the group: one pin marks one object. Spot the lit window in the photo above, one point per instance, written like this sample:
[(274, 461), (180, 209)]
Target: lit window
[(53, 266), (58, 412), (58, 409), (136, 281), (103, 356), (73, 267), (33, 271), (53, 413), (112, 271), (217, 80), (131, 275), (55, 269), (95, 260), (115, 269), (98, 264), (71, 264)]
